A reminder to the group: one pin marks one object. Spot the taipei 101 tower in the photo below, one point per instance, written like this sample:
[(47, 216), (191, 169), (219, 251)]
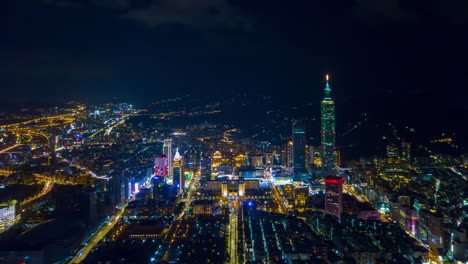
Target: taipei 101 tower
[(328, 132)]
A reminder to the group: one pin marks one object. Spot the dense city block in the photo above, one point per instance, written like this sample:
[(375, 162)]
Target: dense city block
[(114, 183)]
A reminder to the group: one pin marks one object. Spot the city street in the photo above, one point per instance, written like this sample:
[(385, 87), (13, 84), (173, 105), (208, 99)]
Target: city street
[(47, 188), (98, 236), (233, 234)]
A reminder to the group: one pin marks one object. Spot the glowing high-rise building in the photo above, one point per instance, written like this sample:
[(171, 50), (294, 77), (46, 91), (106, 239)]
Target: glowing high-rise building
[(160, 166), (393, 153), (216, 159), (289, 150), (178, 177), (334, 195), (167, 150), (328, 132), (337, 157), (406, 151)]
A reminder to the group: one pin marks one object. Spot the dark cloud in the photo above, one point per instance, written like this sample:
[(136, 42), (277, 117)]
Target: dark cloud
[(114, 4), (117, 4), (454, 12), (200, 13), (65, 3), (411, 11), (196, 13), (383, 11), (227, 14)]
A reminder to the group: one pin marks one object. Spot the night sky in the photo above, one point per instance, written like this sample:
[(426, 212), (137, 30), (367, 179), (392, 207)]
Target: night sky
[(382, 54)]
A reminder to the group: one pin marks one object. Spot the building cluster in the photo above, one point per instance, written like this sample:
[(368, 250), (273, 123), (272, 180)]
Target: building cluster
[(175, 186), (8, 214), (422, 193)]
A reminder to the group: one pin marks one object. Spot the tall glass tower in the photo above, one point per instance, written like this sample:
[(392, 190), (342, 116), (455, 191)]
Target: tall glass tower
[(167, 150), (298, 147), (328, 132)]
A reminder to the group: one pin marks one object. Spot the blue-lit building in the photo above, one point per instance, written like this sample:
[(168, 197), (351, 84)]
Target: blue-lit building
[(299, 145)]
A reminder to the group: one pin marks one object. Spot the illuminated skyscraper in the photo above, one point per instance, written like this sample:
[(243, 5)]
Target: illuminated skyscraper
[(298, 148), (393, 153), (256, 161), (338, 157), (315, 156), (167, 150), (288, 155), (328, 132), (160, 166), (406, 151), (178, 177), (334, 195), (216, 159), (309, 156)]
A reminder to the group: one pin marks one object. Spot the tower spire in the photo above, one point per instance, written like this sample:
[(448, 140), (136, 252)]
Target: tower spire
[(327, 88), (177, 155)]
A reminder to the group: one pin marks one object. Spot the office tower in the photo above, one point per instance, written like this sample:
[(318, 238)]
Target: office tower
[(205, 167), (118, 188), (392, 151), (289, 150), (178, 177), (328, 132), (256, 161), (459, 240), (191, 158), (158, 185), (406, 151), (337, 157), (334, 195), (160, 166), (298, 147), (8, 214), (269, 159), (216, 160), (52, 145), (167, 150), (240, 160), (431, 228), (88, 206), (315, 156), (67, 199), (311, 155)]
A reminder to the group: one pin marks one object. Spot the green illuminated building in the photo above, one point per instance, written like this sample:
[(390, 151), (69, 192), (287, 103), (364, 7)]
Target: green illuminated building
[(328, 132)]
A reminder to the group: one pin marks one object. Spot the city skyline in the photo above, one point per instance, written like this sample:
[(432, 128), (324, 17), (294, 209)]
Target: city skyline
[(111, 174), (233, 131)]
